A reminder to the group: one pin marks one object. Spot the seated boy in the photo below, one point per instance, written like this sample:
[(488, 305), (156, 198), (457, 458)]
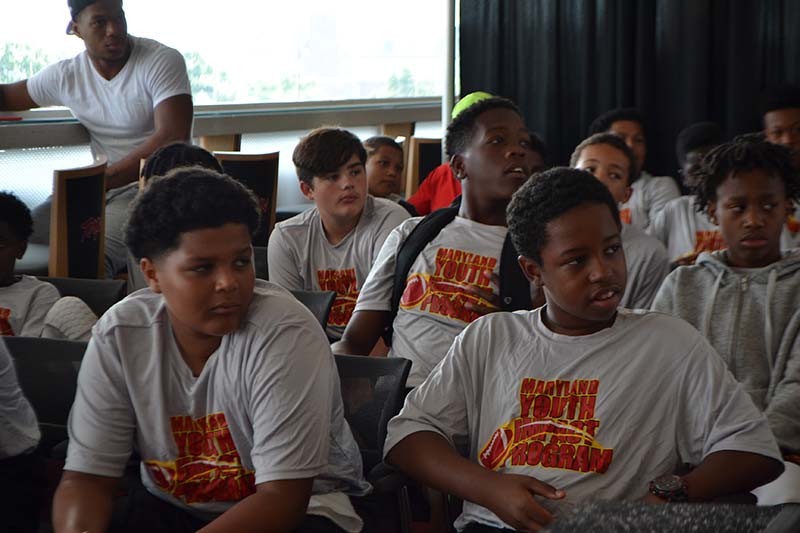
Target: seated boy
[(744, 299), (224, 385), (683, 229), (19, 436), (440, 187), (456, 276), (577, 400), (24, 300), (610, 160), (332, 246), (780, 109), (649, 193), (30, 307)]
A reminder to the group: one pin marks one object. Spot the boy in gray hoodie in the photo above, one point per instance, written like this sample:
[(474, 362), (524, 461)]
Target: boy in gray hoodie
[(744, 299)]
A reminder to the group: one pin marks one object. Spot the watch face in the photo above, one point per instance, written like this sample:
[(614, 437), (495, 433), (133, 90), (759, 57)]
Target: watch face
[(668, 483)]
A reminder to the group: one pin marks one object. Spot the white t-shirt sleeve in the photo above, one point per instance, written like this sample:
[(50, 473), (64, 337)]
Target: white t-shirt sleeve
[(284, 267), (662, 189), (376, 294), (166, 75), (716, 411), (44, 87), (102, 422), (44, 296), (295, 375), (392, 220), (650, 277), (439, 404)]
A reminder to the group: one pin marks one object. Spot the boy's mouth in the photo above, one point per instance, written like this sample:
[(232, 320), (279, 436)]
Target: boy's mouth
[(226, 309), (517, 171), (607, 295), (753, 241)]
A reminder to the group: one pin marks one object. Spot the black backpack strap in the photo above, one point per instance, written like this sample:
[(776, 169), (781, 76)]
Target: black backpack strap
[(515, 289), (427, 229)]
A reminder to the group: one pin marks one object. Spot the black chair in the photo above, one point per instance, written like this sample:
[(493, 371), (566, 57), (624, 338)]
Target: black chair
[(98, 294), (318, 302), (47, 370), (373, 390)]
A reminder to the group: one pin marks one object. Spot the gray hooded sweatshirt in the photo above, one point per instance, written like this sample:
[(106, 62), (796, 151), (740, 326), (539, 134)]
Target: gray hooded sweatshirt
[(752, 318)]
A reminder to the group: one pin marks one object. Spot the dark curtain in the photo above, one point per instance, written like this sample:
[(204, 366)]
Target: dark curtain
[(680, 61)]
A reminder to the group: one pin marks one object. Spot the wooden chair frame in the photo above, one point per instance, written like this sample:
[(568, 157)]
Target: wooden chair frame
[(413, 177), (58, 265)]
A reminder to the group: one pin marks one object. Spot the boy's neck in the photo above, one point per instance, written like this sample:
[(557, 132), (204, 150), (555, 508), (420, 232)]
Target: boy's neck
[(489, 213), (9, 280), (336, 230), (195, 349)]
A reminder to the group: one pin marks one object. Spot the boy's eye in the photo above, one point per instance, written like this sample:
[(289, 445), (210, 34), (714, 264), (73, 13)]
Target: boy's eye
[(525, 142), (243, 262), (383, 164), (616, 175), (590, 168), (201, 269), (614, 248), (770, 206), (356, 171), (575, 261), (497, 139)]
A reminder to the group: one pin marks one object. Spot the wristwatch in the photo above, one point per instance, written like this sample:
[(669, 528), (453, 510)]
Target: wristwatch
[(671, 488)]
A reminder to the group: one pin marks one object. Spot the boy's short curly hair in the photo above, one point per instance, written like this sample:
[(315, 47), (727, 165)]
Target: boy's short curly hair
[(178, 154), (604, 121), (547, 196), (743, 153), (460, 130), (324, 150), (613, 141), (186, 199), (696, 136), (16, 214), (373, 144)]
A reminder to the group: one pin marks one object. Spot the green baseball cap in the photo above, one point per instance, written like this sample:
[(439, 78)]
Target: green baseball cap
[(467, 101)]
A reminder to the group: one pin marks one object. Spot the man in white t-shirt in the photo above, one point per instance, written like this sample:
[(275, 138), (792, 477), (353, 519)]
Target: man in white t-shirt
[(648, 193), (332, 246), (577, 400), (455, 278), (131, 94), (224, 385)]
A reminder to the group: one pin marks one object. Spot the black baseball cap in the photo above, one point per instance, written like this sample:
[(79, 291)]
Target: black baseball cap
[(75, 7)]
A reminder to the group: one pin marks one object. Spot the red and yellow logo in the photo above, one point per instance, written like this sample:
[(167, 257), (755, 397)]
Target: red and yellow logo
[(556, 429), (343, 283), (208, 467)]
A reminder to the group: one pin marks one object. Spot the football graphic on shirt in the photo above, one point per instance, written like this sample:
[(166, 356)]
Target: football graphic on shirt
[(416, 289), (494, 454)]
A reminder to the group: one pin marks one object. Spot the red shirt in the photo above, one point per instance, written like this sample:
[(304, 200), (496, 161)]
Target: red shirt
[(438, 190)]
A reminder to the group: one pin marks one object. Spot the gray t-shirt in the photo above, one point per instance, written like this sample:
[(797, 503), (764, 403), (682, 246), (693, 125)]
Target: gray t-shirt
[(431, 311), (266, 406), (19, 432), (685, 230), (300, 257), (647, 265), (648, 196), (597, 416), (24, 305)]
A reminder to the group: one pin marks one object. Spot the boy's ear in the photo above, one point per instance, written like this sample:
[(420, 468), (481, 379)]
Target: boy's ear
[(711, 211), (628, 193), (531, 270), (307, 190), (457, 164), (23, 247), (150, 274)]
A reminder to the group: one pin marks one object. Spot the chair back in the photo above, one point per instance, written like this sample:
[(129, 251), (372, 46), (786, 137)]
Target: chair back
[(260, 260), (318, 302), (47, 370), (424, 155), (98, 294), (77, 222), (259, 173), (373, 390)]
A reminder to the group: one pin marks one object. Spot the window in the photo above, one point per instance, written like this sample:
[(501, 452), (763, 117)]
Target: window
[(239, 51)]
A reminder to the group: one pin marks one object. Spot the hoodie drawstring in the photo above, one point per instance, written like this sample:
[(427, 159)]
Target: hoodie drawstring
[(771, 283), (710, 305)]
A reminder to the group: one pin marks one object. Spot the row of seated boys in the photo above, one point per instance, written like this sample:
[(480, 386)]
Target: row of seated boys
[(493, 153)]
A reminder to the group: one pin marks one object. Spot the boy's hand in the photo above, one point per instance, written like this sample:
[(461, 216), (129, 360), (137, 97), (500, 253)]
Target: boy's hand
[(652, 498), (485, 294), (792, 458), (511, 497)]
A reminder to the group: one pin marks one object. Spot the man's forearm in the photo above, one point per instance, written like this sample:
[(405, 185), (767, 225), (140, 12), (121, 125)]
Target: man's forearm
[(126, 170), (80, 505), (729, 472), (276, 511)]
